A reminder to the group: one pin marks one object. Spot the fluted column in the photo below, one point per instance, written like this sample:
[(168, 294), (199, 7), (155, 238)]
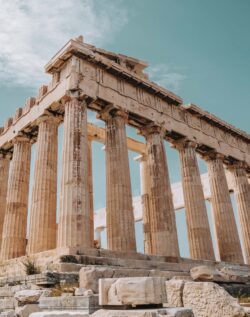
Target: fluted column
[(42, 232), (74, 219), (242, 193), (225, 224), (91, 193), (15, 222), (120, 216), (4, 174), (162, 214), (199, 236), (142, 159)]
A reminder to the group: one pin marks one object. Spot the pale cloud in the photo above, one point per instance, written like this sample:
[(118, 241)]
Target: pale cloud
[(32, 31), (166, 76)]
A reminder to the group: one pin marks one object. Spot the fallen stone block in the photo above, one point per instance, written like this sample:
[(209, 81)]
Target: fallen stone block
[(87, 304), (209, 299), (60, 314), (174, 312), (205, 273), (28, 296), (26, 310), (132, 291), (174, 290), (89, 277)]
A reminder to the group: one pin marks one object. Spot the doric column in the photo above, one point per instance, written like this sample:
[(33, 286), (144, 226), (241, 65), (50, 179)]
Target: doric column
[(145, 199), (225, 224), (4, 174), (162, 214), (199, 236), (15, 222), (242, 194), (120, 216), (74, 218), (98, 237), (91, 193), (42, 232)]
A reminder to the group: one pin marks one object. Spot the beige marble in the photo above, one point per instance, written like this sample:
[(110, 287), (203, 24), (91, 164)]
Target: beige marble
[(210, 300), (91, 193), (4, 174), (225, 224), (132, 291), (144, 178), (162, 215), (74, 218), (199, 236), (242, 194), (15, 222), (120, 217), (42, 232)]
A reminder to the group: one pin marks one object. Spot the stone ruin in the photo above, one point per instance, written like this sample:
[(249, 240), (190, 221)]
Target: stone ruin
[(55, 269)]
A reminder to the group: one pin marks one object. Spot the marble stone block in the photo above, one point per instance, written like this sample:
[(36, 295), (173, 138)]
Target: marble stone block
[(132, 291)]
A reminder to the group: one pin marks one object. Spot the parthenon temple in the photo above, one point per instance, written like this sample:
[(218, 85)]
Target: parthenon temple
[(116, 87)]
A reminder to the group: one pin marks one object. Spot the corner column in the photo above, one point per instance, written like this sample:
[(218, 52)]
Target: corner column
[(119, 211), (199, 236), (74, 218), (225, 224), (242, 194), (42, 232), (142, 159), (162, 214), (15, 222), (4, 174)]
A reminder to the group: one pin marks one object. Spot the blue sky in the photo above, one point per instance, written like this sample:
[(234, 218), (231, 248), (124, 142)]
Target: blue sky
[(198, 49)]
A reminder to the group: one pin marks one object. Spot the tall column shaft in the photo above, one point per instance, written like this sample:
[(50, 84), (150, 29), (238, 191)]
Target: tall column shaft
[(225, 224), (4, 174), (120, 217), (145, 199), (42, 233), (162, 214), (15, 222), (199, 236), (242, 193), (74, 228), (91, 193)]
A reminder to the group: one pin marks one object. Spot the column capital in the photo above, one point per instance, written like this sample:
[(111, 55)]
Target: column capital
[(50, 117), (22, 137), (212, 155), (111, 111), (152, 129), (73, 98), (5, 155), (183, 143), (237, 164)]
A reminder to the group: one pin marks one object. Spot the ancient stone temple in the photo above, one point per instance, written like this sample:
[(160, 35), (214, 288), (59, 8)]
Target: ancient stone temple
[(117, 89)]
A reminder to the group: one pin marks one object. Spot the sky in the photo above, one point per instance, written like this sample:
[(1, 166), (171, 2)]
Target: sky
[(200, 50)]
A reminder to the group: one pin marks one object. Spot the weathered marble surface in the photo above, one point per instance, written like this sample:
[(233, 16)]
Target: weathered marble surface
[(208, 299), (132, 291), (173, 312)]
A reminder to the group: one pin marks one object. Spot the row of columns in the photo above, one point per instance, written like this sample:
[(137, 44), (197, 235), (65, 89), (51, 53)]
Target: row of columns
[(75, 228)]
